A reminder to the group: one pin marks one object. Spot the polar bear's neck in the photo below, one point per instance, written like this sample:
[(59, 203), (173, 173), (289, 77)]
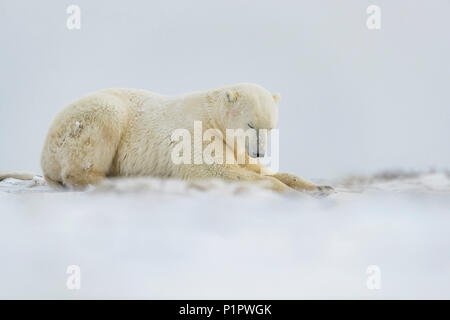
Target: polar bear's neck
[(200, 107)]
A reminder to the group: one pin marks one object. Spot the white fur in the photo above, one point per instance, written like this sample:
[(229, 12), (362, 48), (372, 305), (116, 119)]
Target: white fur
[(127, 132)]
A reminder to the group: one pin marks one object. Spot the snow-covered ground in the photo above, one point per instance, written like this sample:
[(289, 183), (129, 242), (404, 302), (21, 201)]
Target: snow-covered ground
[(146, 238)]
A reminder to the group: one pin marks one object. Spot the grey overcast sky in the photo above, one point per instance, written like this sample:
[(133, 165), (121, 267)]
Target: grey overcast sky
[(354, 100)]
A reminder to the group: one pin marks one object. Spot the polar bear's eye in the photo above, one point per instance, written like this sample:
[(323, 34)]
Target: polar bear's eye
[(251, 126)]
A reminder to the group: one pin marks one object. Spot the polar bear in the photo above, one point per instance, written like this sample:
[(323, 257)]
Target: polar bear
[(127, 132)]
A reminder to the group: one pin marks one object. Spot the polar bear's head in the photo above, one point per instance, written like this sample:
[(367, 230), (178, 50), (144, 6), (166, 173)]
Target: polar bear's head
[(249, 107)]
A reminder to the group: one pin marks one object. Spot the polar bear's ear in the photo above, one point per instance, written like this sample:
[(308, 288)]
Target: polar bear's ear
[(232, 96), (276, 97)]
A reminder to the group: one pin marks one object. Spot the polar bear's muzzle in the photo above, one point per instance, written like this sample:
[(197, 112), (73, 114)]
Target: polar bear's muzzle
[(257, 155), (256, 148)]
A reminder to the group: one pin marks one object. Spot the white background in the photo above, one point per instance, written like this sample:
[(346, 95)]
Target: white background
[(353, 100)]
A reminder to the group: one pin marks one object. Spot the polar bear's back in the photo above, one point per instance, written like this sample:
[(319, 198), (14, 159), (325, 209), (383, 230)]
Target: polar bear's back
[(108, 106), (84, 137)]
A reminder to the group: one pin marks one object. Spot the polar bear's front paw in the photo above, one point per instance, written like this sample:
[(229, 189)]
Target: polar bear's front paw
[(323, 191)]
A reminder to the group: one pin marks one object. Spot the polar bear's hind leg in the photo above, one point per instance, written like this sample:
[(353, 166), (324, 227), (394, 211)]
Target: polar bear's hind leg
[(79, 179), (80, 148), (90, 156)]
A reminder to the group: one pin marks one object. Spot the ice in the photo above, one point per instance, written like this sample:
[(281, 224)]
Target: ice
[(152, 238)]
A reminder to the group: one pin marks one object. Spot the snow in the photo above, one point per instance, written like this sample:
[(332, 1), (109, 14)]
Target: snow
[(161, 239)]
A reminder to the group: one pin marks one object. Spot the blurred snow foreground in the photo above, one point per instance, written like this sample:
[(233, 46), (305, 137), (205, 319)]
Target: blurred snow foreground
[(386, 236)]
